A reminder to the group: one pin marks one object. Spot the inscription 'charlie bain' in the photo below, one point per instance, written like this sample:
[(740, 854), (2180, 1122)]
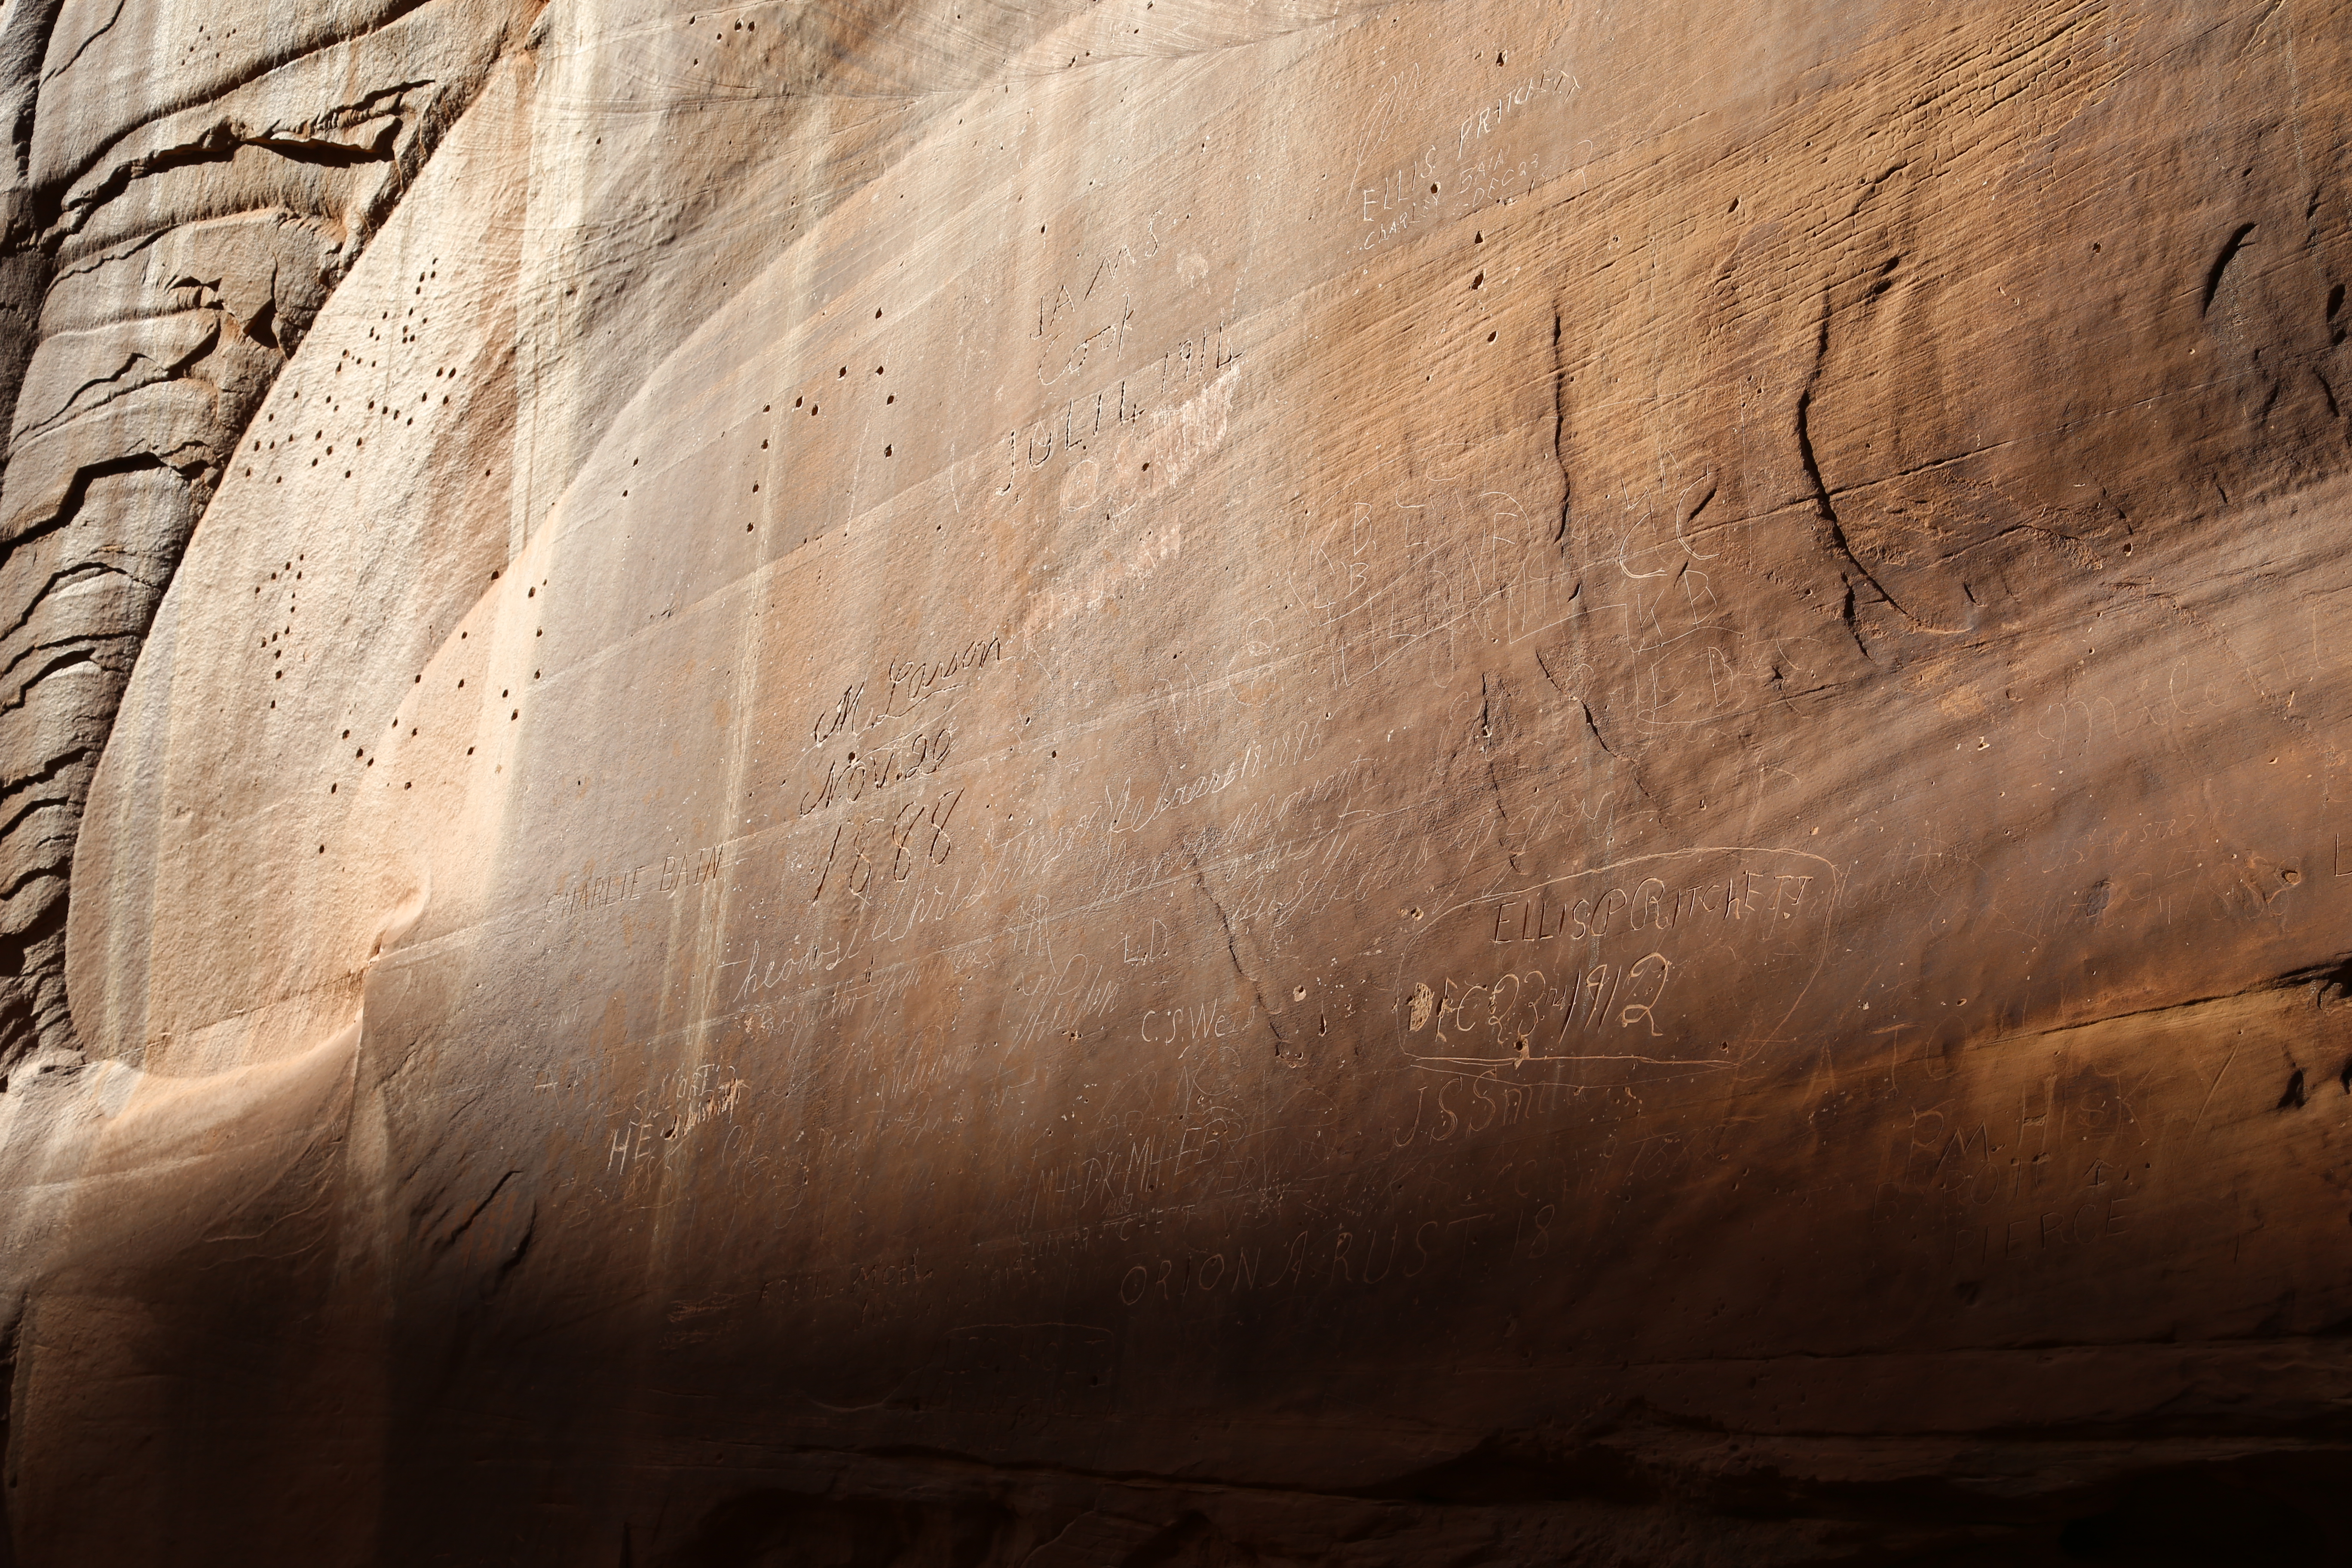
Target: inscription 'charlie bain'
[(1658, 965)]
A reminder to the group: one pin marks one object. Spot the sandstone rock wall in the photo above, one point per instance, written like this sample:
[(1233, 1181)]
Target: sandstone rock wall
[(1167, 782)]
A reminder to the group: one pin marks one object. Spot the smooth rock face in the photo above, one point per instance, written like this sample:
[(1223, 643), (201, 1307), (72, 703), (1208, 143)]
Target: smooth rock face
[(1164, 782)]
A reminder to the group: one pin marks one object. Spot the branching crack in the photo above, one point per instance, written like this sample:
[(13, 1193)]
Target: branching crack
[(173, 369), (2230, 247), (521, 1249), (78, 492), (54, 871), (1560, 432), (1832, 530), (2314, 977), (1233, 952), (46, 773), (1592, 724), (220, 143), (83, 47), (62, 577), (33, 807), (80, 655), (1632, 772), (92, 642), (476, 1211), (252, 71)]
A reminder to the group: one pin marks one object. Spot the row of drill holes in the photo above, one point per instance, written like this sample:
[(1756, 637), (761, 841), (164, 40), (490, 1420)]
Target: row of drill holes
[(531, 593), (814, 410)]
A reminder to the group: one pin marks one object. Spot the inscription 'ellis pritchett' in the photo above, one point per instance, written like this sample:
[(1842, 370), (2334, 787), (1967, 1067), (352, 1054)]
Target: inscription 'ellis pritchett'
[(1656, 964)]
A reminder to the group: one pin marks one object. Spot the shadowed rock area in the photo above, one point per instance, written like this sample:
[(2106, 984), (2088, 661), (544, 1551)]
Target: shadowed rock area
[(1163, 783)]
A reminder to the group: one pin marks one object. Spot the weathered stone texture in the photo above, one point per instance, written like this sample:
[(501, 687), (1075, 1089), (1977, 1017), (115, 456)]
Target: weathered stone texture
[(1163, 781)]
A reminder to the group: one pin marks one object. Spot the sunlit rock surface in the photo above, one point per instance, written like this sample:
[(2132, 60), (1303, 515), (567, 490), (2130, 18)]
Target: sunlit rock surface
[(1175, 782)]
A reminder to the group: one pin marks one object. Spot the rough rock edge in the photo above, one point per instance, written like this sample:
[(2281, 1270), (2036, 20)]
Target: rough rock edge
[(68, 725)]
